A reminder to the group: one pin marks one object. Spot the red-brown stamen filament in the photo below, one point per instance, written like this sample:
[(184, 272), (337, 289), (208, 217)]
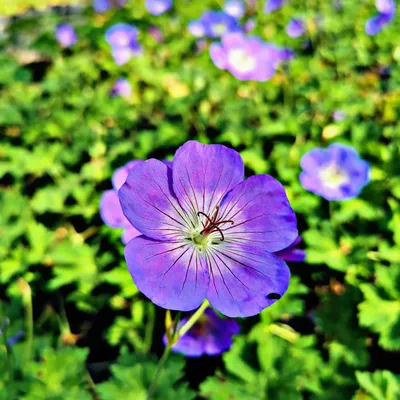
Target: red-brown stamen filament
[(212, 224)]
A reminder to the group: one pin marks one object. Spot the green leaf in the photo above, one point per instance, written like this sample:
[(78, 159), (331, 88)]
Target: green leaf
[(380, 385), (59, 375), (380, 311), (133, 374)]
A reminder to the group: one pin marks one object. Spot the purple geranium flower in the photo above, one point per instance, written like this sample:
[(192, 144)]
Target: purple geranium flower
[(247, 58), (158, 7), (206, 233), (122, 88), (110, 208), (210, 335), (65, 35), (235, 8), (123, 39), (292, 253), (295, 28), (214, 24), (335, 173), (387, 10), (273, 5)]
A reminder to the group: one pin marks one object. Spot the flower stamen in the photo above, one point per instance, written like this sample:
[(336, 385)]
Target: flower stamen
[(212, 224)]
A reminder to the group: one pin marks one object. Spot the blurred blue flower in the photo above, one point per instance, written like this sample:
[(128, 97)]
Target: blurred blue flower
[(214, 24), (387, 10), (247, 58), (12, 340), (65, 35), (335, 173), (210, 335), (158, 7), (273, 5), (295, 28), (235, 8), (123, 39), (122, 88)]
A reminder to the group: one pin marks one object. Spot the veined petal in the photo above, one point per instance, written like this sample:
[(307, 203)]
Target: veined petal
[(244, 280), (149, 204), (203, 174), (261, 214), (171, 274)]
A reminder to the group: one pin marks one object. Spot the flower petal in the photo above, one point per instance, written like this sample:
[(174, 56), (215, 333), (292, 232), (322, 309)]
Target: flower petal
[(129, 234), (261, 214), (120, 174), (149, 204), (203, 174), (172, 275), (218, 56), (245, 280), (110, 210)]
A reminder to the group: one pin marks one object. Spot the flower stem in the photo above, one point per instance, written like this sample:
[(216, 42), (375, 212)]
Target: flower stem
[(160, 366), (27, 301), (171, 341), (193, 319)]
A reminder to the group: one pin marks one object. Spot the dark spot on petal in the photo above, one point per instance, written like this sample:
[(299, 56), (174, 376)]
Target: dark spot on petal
[(274, 296)]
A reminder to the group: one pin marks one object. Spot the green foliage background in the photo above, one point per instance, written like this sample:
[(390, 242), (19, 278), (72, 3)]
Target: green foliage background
[(63, 278)]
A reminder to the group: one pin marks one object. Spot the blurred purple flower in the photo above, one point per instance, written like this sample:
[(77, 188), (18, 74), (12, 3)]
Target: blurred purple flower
[(295, 28), (101, 6), (158, 7), (205, 234), (214, 24), (123, 39), (196, 28), (273, 5), (249, 25), (386, 6), (335, 173), (235, 8), (122, 88), (156, 34), (387, 10), (110, 208), (247, 58), (338, 115), (211, 335), (65, 35), (291, 253)]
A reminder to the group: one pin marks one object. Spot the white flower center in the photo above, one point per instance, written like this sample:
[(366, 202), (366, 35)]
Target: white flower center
[(241, 60), (333, 177), (219, 29)]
